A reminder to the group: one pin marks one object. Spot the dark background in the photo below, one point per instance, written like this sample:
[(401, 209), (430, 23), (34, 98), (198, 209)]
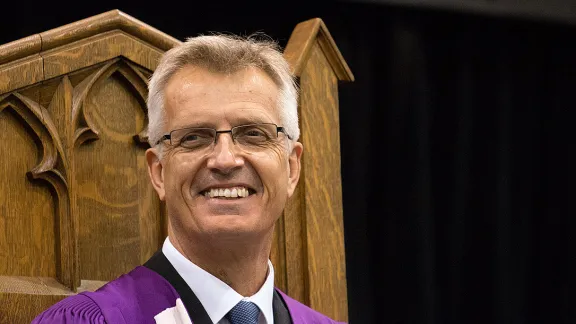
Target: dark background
[(457, 140)]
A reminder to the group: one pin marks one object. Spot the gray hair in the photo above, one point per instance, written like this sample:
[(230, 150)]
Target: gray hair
[(224, 54)]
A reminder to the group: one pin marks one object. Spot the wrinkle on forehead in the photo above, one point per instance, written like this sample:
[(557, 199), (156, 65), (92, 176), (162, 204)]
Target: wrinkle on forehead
[(196, 92), (194, 82)]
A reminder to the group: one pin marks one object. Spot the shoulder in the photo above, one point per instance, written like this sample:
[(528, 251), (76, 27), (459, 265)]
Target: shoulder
[(73, 309), (135, 297), (301, 313)]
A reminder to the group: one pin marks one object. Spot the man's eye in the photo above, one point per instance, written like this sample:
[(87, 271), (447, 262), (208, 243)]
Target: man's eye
[(190, 138), (255, 133), (196, 139)]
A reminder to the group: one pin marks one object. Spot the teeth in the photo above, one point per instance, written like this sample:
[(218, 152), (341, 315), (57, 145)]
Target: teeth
[(236, 192)]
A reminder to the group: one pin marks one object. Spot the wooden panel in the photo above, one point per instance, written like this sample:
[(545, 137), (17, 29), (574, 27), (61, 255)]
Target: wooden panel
[(27, 211), (118, 211), (295, 241), (75, 167), (278, 256), (323, 188), (35, 251), (314, 230)]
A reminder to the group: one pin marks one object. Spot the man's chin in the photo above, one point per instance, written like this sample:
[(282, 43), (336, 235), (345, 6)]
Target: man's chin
[(232, 232)]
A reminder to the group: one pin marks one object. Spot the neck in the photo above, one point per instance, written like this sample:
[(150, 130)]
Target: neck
[(241, 264)]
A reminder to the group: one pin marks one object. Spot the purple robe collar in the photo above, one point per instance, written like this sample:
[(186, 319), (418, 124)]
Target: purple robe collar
[(136, 297)]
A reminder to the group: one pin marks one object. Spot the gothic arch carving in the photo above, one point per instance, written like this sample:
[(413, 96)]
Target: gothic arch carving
[(85, 128), (53, 168)]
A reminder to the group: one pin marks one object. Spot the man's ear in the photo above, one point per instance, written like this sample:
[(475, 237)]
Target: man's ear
[(156, 172), (294, 165)]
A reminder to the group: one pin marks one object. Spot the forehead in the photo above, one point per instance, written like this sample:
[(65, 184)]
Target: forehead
[(195, 95)]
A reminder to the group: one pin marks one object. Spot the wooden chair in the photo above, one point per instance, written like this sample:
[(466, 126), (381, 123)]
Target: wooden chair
[(76, 206)]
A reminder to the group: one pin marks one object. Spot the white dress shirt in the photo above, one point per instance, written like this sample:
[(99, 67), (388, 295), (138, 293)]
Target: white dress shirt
[(217, 297)]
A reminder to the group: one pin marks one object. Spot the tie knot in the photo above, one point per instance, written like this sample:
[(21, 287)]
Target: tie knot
[(244, 313)]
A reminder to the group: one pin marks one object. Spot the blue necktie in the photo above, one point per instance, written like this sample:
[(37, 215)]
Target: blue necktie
[(244, 313)]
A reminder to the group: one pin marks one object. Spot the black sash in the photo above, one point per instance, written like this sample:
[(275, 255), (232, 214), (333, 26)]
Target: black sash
[(160, 264)]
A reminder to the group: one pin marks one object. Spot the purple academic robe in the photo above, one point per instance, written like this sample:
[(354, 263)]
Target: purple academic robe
[(136, 297)]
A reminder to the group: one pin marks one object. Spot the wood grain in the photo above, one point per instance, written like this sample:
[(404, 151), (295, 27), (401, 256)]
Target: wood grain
[(23, 298), (315, 260), (278, 256), (324, 219), (108, 170), (35, 228), (21, 73), (21, 48), (97, 49), (295, 242), (27, 237), (114, 193)]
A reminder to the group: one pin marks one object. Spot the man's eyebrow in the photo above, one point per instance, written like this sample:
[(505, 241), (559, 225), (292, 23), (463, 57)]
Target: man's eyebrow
[(252, 120), (244, 120), (194, 125)]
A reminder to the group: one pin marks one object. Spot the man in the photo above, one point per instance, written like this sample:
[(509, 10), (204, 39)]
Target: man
[(224, 156)]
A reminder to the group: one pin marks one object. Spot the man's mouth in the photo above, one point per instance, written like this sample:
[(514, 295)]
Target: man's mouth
[(228, 193)]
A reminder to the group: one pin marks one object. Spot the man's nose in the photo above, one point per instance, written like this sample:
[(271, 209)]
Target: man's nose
[(225, 157)]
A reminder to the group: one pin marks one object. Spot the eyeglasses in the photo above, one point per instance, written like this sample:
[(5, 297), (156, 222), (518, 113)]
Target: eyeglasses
[(249, 137)]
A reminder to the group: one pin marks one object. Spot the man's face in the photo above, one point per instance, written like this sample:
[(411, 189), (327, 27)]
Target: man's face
[(195, 97)]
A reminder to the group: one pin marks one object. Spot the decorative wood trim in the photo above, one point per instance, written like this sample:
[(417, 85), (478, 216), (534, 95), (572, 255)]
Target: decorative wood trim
[(53, 150), (98, 49), (111, 20), (20, 48), (82, 29), (301, 41), (21, 73), (82, 124), (142, 137), (61, 50)]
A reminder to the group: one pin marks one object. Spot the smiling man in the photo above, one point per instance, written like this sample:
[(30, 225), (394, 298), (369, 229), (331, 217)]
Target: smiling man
[(224, 156)]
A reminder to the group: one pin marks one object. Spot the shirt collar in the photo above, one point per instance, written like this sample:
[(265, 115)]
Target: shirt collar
[(216, 296)]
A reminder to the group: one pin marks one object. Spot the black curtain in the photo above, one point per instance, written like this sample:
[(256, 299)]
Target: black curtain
[(456, 141), (456, 152)]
